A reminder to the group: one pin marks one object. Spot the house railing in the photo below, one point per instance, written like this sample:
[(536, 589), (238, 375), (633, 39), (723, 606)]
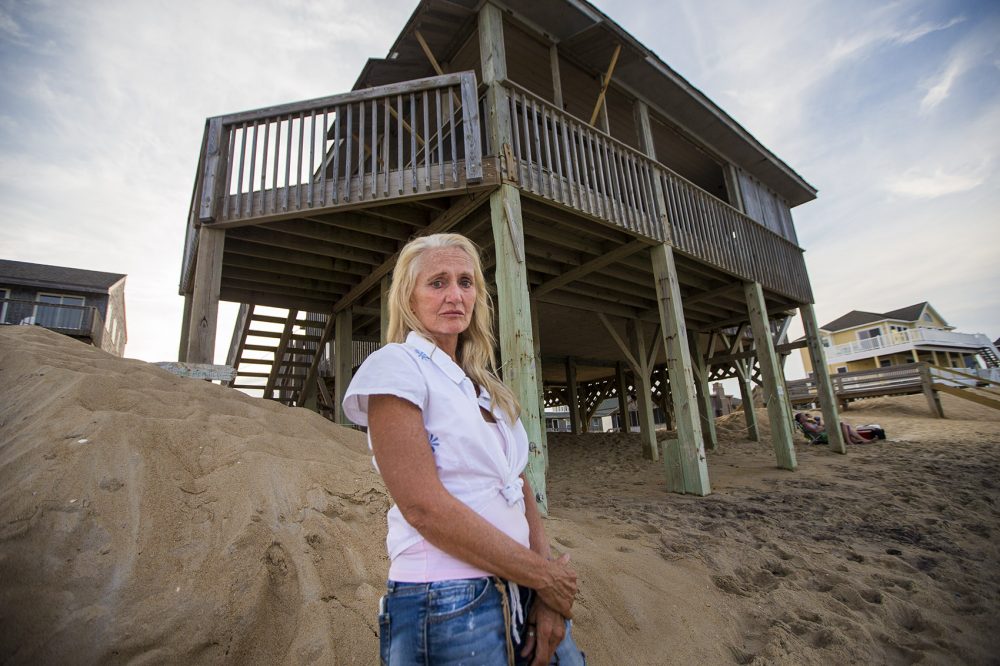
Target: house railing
[(406, 139), (902, 340), (82, 321), (564, 159)]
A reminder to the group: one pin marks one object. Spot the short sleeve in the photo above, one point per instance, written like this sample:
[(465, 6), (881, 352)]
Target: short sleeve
[(389, 371)]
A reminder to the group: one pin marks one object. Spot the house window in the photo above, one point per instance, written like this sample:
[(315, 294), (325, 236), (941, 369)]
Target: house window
[(825, 341), (927, 317), (4, 294), (50, 315), (884, 362), (841, 370), (869, 333)]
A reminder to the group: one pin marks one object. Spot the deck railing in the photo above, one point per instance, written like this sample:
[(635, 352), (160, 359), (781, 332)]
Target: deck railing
[(907, 339), (710, 229), (564, 159), (378, 143), (404, 139), (82, 321)]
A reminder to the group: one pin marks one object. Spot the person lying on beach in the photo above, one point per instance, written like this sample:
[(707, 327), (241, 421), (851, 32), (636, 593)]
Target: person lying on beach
[(814, 426), (471, 576)]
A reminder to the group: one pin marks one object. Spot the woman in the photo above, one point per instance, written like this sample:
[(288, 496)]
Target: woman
[(814, 426), (471, 579)]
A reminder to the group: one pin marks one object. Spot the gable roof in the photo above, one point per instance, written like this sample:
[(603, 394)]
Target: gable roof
[(588, 36), (909, 313), (43, 275), (860, 317)]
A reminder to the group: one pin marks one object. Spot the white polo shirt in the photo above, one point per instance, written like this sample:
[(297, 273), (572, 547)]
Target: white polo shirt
[(472, 464)]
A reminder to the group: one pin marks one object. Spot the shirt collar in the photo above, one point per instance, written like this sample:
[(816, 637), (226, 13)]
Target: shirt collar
[(437, 356)]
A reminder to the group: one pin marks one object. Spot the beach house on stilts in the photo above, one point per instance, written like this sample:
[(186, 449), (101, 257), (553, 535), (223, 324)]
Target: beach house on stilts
[(640, 240)]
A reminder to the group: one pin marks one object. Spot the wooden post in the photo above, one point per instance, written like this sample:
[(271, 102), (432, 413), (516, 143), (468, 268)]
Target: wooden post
[(746, 398), (557, 94), (384, 285), (205, 297), (622, 389), (691, 447), (186, 329), (572, 396), (517, 347), (927, 383), (774, 391), (700, 374), (536, 338), (824, 386), (344, 359), (646, 144), (643, 389)]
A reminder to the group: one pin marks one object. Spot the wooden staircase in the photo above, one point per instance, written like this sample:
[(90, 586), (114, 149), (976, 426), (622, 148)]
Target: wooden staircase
[(967, 386), (272, 351)]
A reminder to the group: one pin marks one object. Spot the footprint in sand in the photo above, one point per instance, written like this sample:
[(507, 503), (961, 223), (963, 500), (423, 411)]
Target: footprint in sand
[(563, 541)]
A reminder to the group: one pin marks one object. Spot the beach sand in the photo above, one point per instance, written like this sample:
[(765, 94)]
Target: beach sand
[(146, 518)]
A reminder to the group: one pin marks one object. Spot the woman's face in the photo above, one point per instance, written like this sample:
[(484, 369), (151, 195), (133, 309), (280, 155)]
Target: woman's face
[(445, 294)]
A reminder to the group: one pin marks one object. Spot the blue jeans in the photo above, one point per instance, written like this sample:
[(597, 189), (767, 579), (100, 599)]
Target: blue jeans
[(453, 622)]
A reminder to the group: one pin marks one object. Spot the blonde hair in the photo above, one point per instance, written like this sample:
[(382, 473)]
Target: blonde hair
[(475, 345)]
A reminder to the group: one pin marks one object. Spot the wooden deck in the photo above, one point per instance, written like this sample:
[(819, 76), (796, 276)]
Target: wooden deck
[(275, 175)]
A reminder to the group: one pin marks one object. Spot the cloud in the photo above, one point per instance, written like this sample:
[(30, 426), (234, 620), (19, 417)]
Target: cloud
[(940, 86), (923, 185), (9, 27)]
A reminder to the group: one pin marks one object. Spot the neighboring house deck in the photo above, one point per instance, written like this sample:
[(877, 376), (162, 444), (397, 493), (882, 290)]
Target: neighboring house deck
[(639, 238), (83, 304), (860, 340)]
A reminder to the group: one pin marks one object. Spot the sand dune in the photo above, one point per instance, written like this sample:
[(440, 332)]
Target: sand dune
[(147, 519)]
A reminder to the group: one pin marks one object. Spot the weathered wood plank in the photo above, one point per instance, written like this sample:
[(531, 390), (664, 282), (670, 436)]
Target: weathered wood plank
[(774, 390), (827, 398), (679, 368), (224, 373)]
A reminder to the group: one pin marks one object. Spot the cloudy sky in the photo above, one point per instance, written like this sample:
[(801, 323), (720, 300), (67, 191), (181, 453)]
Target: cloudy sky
[(891, 109)]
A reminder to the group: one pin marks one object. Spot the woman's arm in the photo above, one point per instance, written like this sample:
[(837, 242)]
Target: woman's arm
[(399, 441)]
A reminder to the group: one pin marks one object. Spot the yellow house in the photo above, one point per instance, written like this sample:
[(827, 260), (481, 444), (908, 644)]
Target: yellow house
[(862, 340)]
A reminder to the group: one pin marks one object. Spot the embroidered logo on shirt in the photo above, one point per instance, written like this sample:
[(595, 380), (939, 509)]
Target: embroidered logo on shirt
[(435, 442), (422, 355)]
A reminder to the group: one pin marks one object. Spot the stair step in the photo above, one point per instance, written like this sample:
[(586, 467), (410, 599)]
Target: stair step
[(263, 348), (265, 375)]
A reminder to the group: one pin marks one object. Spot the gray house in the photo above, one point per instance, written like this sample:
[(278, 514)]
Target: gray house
[(86, 305)]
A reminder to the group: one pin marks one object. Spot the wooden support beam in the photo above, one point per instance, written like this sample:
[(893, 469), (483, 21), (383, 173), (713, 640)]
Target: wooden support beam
[(824, 387), (746, 397), (774, 392), (691, 446), (182, 350), (927, 384), (205, 296), (643, 390), (572, 396), (633, 361), (590, 266), (557, 93), (517, 347), (700, 375), (536, 338), (606, 81), (383, 319), (621, 387), (344, 360)]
